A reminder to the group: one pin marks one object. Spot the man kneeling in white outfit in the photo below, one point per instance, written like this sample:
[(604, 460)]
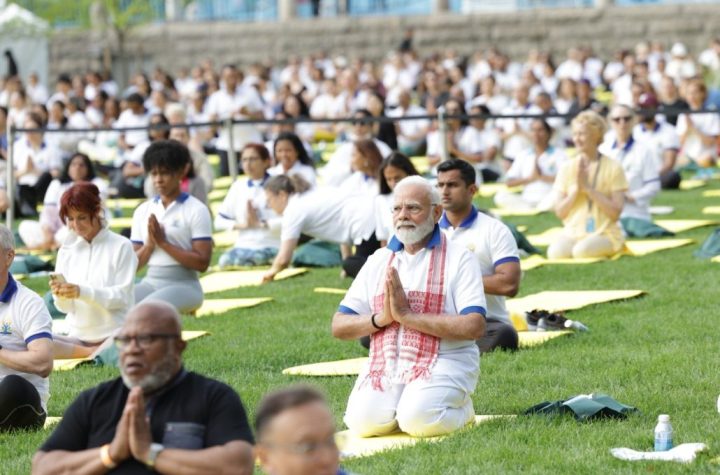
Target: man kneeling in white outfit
[(421, 300)]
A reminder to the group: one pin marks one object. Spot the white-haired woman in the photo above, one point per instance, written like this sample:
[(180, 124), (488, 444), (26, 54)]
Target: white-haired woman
[(590, 192)]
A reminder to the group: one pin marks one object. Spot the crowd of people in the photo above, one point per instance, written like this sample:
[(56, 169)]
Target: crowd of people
[(431, 271)]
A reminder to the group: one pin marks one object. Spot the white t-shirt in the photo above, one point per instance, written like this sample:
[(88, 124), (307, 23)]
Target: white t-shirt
[(658, 139), (642, 174), (185, 220), (523, 166), (128, 119), (328, 214), (44, 159), (463, 282), (492, 243), (708, 124), (225, 105), (410, 128), (105, 271), (339, 166), (365, 187), (24, 318), (305, 171), (234, 210), (517, 142)]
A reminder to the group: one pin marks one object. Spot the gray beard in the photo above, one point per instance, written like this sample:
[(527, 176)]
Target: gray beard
[(413, 236), (163, 371)]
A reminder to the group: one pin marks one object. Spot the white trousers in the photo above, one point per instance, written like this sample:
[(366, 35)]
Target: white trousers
[(422, 408)]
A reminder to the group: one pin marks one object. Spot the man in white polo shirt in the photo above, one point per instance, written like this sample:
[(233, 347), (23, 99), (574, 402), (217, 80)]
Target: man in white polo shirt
[(421, 300), (26, 357), (492, 243), (234, 101), (638, 162), (661, 138)]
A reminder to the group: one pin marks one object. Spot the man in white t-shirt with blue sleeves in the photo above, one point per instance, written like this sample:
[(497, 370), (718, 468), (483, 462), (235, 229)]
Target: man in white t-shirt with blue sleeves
[(421, 300), (490, 241), (26, 352)]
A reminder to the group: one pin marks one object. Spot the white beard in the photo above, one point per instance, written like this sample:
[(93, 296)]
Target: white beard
[(409, 236), (163, 372)]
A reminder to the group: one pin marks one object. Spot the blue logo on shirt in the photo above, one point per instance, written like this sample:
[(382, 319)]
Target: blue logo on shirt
[(5, 329)]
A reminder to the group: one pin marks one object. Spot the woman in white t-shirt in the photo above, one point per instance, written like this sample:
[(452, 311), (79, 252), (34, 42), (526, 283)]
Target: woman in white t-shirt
[(245, 209), (698, 132), (393, 169), (171, 233), (534, 169), (98, 274), (49, 232), (292, 158), (324, 213)]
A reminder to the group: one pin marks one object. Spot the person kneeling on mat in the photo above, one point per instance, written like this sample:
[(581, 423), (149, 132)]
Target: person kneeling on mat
[(421, 300)]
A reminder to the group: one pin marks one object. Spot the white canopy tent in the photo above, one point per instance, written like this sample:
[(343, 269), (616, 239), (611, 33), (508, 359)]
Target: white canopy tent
[(26, 36)]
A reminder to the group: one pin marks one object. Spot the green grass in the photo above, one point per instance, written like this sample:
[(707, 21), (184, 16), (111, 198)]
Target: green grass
[(658, 353)]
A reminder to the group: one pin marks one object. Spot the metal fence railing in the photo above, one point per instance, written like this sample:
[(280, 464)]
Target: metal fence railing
[(441, 117)]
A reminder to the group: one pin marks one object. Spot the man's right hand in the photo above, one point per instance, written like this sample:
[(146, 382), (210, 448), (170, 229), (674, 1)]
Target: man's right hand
[(120, 445), (385, 318)]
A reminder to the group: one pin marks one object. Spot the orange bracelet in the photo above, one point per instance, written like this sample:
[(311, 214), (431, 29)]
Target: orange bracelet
[(105, 458)]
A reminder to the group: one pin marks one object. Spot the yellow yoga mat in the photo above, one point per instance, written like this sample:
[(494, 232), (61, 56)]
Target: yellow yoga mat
[(217, 195), (121, 222), (67, 365), (715, 259), (188, 335), (422, 164), (488, 190), (649, 246), (536, 261), (219, 281), (350, 367), (44, 255), (214, 159), (661, 209), (561, 300), (222, 182), (329, 290), (711, 210), (692, 184), (546, 237), (225, 238), (352, 446), (51, 421), (216, 306), (515, 212), (215, 207), (529, 339), (712, 193), (680, 225)]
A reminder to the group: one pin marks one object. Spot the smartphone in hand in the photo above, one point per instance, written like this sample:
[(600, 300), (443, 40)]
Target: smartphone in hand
[(57, 277)]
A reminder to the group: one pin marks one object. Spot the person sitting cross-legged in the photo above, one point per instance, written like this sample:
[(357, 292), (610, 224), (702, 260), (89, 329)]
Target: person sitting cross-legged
[(26, 351), (421, 300)]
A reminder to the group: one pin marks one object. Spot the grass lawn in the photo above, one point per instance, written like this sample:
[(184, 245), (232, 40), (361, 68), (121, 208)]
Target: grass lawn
[(657, 353)]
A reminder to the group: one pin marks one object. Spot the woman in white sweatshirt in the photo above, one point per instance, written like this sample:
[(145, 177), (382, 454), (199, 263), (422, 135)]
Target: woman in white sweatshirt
[(98, 270)]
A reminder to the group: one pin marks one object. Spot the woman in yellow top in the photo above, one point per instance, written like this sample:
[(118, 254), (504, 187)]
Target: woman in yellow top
[(589, 192)]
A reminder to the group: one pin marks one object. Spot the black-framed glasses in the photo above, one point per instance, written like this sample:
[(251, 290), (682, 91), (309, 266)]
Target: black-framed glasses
[(623, 118), (144, 341)]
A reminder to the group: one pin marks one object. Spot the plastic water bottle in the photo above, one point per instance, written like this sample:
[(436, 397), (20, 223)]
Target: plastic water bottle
[(575, 325), (663, 434)]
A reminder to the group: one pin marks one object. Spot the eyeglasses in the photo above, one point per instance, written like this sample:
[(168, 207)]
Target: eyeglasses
[(413, 209), (144, 341), (306, 449), (624, 118)]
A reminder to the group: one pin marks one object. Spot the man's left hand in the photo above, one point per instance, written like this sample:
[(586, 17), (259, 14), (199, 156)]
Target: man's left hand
[(139, 437), (398, 300)]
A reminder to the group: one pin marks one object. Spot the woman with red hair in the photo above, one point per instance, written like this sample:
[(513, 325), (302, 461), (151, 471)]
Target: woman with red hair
[(96, 267)]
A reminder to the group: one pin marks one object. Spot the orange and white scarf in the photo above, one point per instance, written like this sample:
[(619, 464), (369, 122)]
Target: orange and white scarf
[(402, 353)]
